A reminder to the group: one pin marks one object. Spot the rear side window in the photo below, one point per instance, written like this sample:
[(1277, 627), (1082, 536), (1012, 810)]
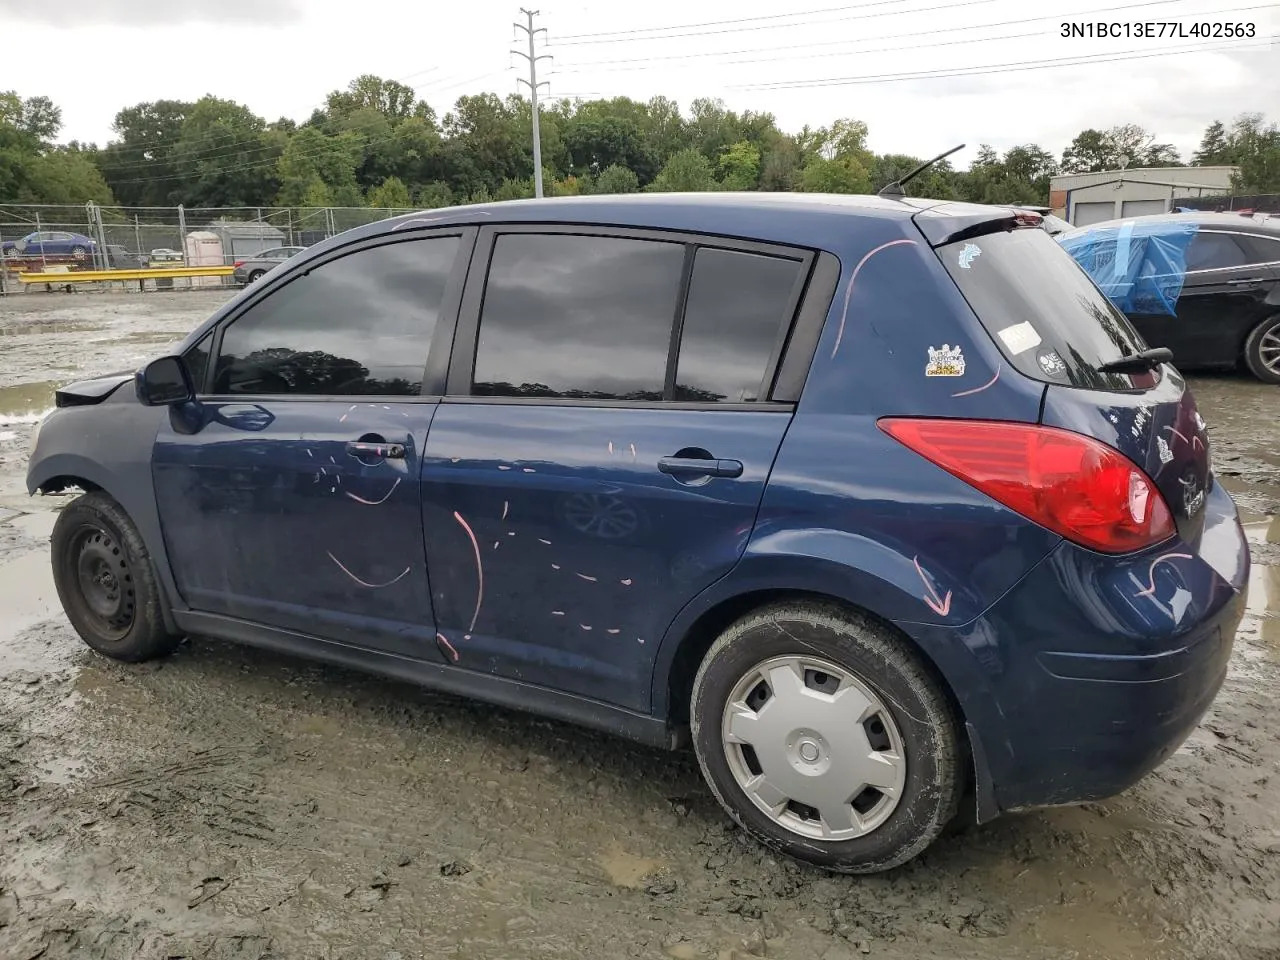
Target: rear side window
[(737, 307), (580, 317), (1215, 251), (1048, 318), (1264, 249), (357, 325)]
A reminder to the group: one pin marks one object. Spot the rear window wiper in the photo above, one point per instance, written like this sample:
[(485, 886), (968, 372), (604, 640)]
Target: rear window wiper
[(1138, 362)]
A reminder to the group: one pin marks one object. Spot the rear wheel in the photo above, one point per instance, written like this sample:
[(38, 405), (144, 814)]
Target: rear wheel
[(1262, 350), (105, 580), (79, 252), (825, 738)]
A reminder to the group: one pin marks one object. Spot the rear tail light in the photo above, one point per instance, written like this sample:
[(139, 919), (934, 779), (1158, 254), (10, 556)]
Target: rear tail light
[(1074, 485), (238, 263)]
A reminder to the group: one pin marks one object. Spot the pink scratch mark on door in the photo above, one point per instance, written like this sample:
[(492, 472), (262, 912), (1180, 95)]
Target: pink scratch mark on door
[(633, 453), (454, 459), (505, 505), (940, 607), (557, 613), (585, 577), (1177, 434), (613, 630), (310, 454), (495, 544), (373, 503), (503, 466), (441, 639), (366, 583), (584, 626), (989, 383), (1151, 571), (529, 470), (555, 566), (547, 542), (848, 291), (475, 546), (626, 583), (611, 448)]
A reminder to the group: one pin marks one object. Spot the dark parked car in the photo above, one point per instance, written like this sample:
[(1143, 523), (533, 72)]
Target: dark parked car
[(50, 243), (1205, 285), (119, 257), (254, 268), (878, 503)]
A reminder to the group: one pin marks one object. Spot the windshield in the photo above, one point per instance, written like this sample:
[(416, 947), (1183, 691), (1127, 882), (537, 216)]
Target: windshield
[(1048, 318)]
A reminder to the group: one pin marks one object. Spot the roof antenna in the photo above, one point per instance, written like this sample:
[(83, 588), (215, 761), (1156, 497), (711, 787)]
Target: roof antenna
[(894, 189)]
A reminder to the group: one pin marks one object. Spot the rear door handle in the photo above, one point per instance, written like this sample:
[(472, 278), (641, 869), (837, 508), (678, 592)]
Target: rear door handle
[(380, 451), (686, 467), (1236, 283)]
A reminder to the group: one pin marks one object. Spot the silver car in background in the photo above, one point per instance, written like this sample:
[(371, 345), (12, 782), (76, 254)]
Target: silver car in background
[(252, 269)]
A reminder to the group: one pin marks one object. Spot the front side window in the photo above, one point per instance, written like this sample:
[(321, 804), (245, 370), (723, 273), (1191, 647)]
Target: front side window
[(738, 303), (357, 325), (582, 317)]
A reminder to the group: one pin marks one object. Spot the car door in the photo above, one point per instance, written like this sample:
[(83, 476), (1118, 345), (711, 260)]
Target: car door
[(1222, 297), (603, 447), (289, 494)]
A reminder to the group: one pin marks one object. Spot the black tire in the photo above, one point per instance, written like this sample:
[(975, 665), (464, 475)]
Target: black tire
[(934, 781), (1269, 331), (106, 581), (256, 276)]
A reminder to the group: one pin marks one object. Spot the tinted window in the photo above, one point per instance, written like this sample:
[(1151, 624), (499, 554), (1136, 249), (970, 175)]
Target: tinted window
[(197, 359), (737, 305), (1264, 249), (360, 324), (1214, 251), (1042, 310), (580, 317)]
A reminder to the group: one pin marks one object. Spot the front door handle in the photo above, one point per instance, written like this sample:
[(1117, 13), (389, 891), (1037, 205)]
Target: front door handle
[(688, 467), (1236, 283), (362, 449)]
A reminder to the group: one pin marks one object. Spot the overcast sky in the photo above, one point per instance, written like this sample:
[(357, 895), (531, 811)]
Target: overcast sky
[(280, 57)]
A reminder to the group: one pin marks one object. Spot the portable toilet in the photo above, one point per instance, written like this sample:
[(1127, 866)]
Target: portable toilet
[(204, 249)]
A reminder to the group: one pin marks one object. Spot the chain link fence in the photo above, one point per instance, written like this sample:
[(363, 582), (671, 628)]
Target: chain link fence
[(38, 237)]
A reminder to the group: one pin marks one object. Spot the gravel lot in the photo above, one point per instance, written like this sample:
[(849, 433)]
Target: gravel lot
[(229, 803)]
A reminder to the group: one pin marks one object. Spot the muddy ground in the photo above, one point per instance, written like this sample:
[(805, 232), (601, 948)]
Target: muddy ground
[(227, 803)]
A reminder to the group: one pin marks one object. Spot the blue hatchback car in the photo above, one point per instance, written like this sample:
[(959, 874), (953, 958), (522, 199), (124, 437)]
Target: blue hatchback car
[(878, 503)]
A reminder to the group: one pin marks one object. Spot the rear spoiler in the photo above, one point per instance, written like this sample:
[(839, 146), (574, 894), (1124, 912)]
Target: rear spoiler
[(950, 222)]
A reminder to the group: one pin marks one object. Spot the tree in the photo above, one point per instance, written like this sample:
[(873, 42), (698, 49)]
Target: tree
[(1255, 147), (311, 157), (1117, 148), (1214, 149), (616, 179), (740, 166), (686, 172), (835, 175), (225, 157), (390, 194), (780, 166), (32, 169), (389, 98)]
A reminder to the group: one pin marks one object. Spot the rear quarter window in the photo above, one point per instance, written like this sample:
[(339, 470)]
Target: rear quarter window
[(1048, 318)]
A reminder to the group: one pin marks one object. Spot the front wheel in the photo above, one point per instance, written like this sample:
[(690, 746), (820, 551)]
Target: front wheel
[(825, 738), (1262, 350), (256, 276), (106, 582)]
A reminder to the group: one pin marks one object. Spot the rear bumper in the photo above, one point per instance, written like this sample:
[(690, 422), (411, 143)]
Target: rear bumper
[(1093, 670)]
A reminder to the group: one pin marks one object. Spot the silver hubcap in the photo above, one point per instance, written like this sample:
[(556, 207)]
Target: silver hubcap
[(814, 748), (1269, 350)]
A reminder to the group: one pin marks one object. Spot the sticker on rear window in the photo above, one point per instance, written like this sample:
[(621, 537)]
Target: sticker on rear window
[(970, 253), (945, 362), (1051, 363), (1020, 338)]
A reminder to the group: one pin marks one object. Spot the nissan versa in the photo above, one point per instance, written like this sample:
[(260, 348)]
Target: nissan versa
[(878, 503)]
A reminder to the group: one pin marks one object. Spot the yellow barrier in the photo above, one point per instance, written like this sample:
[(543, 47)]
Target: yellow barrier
[(92, 276)]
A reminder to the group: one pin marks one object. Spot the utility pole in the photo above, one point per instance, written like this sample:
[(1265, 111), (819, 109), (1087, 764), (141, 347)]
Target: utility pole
[(532, 84)]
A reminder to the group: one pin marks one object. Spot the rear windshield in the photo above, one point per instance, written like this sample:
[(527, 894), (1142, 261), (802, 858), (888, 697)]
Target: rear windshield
[(1043, 311)]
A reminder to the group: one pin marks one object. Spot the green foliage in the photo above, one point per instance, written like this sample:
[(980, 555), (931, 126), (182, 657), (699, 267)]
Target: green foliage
[(686, 172), (740, 166), (375, 142), (391, 193), (616, 179)]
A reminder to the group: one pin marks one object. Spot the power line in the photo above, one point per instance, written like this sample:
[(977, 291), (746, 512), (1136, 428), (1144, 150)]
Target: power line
[(892, 36), (780, 26), (720, 23), (580, 68), (999, 68)]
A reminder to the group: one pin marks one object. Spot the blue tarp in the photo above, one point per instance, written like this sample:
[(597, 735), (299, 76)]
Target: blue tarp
[(1139, 266)]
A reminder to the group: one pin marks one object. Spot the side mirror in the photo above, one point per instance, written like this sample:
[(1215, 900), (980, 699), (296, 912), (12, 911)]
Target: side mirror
[(164, 382)]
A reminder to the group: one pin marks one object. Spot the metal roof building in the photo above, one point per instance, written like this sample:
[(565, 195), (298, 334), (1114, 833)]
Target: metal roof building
[(1085, 198)]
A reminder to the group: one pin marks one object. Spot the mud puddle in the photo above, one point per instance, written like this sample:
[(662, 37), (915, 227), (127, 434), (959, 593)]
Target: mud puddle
[(226, 802)]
